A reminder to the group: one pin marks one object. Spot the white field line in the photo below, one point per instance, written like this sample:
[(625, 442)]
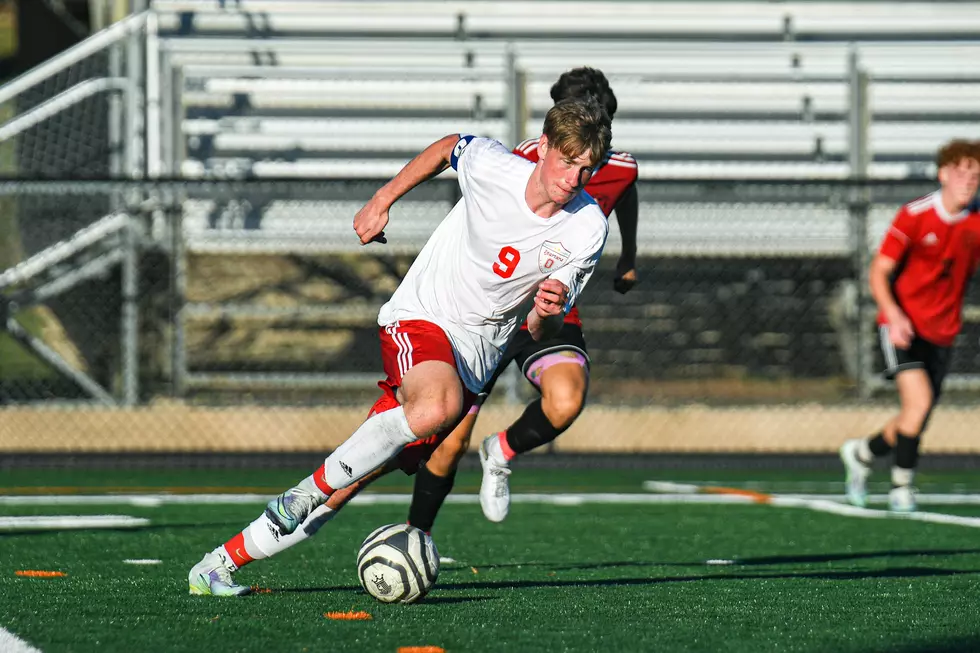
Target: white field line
[(835, 504), (69, 522), (669, 487), (10, 643), (142, 561), (152, 500)]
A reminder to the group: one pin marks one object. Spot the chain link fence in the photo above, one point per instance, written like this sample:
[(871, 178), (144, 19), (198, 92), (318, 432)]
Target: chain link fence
[(251, 311)]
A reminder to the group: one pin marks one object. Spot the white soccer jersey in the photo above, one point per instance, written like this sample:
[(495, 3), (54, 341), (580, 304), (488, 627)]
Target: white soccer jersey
[(477, 274)]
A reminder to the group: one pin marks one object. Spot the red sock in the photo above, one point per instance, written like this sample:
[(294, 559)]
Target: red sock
[(509, 453), (320, 478), (236, 550)]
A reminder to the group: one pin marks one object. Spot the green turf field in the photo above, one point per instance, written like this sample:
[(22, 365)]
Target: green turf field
[(610, 577)]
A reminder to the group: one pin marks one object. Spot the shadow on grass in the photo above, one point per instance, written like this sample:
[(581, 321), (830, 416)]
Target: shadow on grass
[(737, 562), (898, 572), (953, 645), (429, 600)]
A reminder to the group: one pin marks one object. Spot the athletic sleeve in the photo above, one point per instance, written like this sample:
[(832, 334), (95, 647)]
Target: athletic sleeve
[(899, 235), (461, 145)]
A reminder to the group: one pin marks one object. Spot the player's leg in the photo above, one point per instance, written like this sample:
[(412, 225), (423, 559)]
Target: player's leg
[(261, 539), (420, 361), (919, 395), (858, 455), (436, 476), (430, 398), (559, 369)]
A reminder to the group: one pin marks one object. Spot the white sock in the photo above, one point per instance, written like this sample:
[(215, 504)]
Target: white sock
[(262, 538), (374, 443), (902, 476), (225, 558), (864, 452)]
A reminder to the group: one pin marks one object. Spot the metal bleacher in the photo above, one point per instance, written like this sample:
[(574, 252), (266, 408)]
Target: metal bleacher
[(737, 90)]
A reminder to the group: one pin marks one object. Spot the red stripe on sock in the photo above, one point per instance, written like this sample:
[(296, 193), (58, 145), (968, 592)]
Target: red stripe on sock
[(320, 478), (236, 550), (508, 452)]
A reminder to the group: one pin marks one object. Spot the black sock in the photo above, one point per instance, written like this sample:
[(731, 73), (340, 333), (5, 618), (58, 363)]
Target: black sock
[(907, 451), (427, 497), (531, 430), (878, 446)]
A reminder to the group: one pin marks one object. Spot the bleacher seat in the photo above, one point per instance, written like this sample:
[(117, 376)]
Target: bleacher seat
[(337, 89)]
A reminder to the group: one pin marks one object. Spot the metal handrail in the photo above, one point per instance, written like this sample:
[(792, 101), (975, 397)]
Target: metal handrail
[(73, 55), (65, 99)]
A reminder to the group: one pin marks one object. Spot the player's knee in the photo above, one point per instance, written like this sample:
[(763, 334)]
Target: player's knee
[(562, 406), (913, 418), (438, 411)]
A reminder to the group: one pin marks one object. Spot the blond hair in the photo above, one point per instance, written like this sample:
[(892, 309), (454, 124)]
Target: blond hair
[(578, 125)]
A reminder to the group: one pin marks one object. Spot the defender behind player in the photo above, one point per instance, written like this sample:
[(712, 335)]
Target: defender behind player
[(919, 279)]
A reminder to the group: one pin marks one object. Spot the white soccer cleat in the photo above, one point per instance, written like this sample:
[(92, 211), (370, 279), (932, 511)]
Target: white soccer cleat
[(856, 482), (212, 577), (495, 487), (902, 499)]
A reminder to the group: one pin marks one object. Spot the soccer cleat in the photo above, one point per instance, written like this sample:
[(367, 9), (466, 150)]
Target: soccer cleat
[(856, 483), (291, 508), (211, 577), (495, 487), (902, 499)]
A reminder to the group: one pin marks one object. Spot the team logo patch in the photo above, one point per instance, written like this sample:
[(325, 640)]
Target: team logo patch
[(552, 256)]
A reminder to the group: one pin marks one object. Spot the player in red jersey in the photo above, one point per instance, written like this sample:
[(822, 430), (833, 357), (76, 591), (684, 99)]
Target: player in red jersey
[(918, 279)]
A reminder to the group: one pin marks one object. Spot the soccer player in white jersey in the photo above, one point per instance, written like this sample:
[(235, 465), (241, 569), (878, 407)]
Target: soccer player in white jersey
[(520, 244)]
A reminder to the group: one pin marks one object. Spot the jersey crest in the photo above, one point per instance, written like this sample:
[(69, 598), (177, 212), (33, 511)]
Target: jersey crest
[(550, 255)]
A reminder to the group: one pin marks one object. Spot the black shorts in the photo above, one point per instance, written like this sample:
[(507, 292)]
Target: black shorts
[(524, 350), (921, 355)]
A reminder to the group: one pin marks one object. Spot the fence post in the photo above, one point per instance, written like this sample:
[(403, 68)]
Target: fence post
[(516, 93), (858, 207), (134, 158)]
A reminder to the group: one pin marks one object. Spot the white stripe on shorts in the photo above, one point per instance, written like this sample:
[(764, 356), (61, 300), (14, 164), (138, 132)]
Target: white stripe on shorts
[(887, 347), (404, 349)]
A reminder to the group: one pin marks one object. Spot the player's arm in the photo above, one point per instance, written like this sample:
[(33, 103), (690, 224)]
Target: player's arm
[(370, 221), (546, 317), (894, 247), (627, 215), (900, 329)]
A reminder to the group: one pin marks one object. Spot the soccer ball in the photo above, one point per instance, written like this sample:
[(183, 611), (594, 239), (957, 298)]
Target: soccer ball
[(398, 563)]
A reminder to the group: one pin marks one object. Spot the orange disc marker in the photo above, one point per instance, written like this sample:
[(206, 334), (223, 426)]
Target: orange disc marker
[(421, 649), (349, 616), (37, 573)]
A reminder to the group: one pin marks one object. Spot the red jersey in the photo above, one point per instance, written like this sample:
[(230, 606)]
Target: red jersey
[(937, 254), (612, 178)]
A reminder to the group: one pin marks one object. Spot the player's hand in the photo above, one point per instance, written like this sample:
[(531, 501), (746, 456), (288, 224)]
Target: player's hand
[(900, 330), (625, 279), (370, 222), (550, 298)]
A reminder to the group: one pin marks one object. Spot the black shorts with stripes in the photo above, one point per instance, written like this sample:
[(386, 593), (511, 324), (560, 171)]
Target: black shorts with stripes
[(921, 355), (525, 350)]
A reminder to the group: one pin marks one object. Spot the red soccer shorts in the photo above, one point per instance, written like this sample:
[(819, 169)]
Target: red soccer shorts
[(404, 345)]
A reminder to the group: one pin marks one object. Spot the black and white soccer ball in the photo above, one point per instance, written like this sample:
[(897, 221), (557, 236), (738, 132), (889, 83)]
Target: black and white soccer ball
[(398, 563)]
